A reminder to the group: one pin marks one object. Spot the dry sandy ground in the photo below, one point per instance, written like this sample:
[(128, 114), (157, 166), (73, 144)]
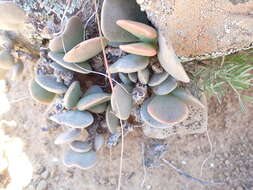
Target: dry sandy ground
[(231, 161)]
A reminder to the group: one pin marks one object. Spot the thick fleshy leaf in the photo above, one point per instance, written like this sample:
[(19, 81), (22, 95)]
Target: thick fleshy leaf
[(158, 78), (187, 97), (92, 100), (121, 101), (39, 94), (84, 160), (85, 50), (75, 119), (148, 120), (113, 10), (68, 136), (70, 37), (196, 122), (167, 109), (169, 60), (143, 76), (124, 78), (133, 77), (98, 142), (165, 87), (100, 108), (80, 146), (58, 67), (129, 64), (138, 29), (50, 84), (58, 58), (72, 95), (111, 120), (143, 49)]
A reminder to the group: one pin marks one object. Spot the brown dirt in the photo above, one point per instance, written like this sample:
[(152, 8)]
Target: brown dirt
[(231, 162)]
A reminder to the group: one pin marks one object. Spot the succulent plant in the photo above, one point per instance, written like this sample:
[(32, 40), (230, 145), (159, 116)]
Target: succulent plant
[(70, 37), (163, 107), (114, 10)]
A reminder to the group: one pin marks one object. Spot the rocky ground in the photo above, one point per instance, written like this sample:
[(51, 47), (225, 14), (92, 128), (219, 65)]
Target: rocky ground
[(229, 163)]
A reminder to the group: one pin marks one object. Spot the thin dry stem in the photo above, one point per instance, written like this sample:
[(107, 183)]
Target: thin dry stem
[(102, 44), (143, 164)]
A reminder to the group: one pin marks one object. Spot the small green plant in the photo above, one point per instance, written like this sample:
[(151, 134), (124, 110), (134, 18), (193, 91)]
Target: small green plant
[(235, 72)]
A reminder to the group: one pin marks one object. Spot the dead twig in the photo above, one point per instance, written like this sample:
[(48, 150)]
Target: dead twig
[(180, 172)]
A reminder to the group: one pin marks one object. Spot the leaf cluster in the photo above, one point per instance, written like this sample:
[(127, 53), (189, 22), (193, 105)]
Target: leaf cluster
[(235, 72)]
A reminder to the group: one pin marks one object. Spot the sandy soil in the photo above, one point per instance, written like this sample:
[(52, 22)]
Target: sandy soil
[(230, 163)]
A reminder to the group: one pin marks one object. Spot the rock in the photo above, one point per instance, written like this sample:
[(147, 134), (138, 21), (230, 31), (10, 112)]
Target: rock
[(39, 94), (17, 70), (50, 84), (92, 100), (201, 33), (158, 78), (111, 120), (75, 119), (150, 121), (58, 58), (114, 10), (83, 160), (71, 36), (140, 48), (129, 64), (165, 87), (133, 77), (98, 142), (12, 17), (6, 59), (143, 76), (124, 78), (121, 101), (42, 185), (72, 95), (186, 96), (156, 133), (169, 60), (138, 29), (68, 136), (80, 146), (167, 109), (85, 50)]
